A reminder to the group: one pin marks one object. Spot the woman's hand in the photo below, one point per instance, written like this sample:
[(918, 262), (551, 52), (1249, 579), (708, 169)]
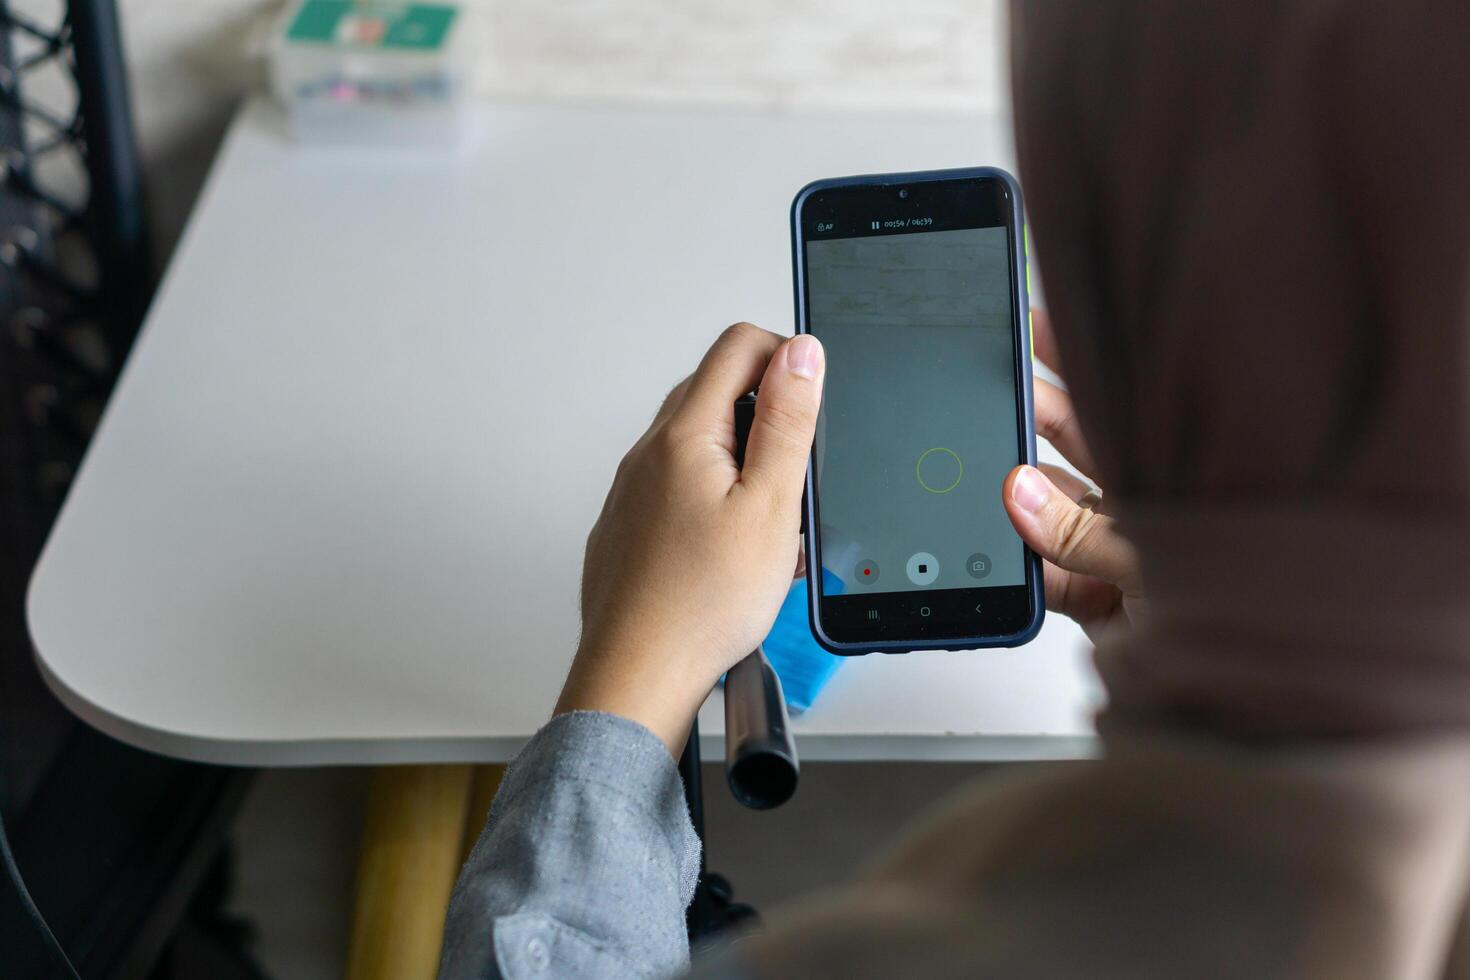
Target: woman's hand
[(1091, 571), (691, 558)]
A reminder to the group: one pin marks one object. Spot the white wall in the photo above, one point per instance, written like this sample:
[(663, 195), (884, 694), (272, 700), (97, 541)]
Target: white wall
[(190, 60)]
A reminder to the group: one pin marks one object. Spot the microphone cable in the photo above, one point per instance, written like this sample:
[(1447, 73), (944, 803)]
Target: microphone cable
[(12, 870)]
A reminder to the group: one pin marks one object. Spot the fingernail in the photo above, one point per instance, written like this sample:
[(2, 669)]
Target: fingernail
[(804, 355), (1029, 491)]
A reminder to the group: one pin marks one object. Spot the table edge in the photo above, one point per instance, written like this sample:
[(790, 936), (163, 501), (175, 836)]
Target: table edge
[(491, 749)]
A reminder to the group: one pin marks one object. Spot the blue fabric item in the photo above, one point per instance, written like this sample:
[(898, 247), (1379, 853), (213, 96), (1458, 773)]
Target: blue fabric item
[(804, 667)]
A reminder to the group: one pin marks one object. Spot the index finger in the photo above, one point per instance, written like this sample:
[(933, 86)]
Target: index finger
[(1043, 340), (733, 365), (1056, 422)]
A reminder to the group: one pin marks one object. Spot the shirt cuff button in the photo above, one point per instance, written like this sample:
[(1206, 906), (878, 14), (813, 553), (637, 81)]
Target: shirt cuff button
[(537, 954)]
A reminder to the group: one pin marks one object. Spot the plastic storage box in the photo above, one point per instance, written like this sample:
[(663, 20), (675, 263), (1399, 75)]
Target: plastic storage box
[(372, 72)]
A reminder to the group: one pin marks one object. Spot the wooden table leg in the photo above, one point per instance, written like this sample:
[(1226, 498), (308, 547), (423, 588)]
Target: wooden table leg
[(412, 838), (486, 784)]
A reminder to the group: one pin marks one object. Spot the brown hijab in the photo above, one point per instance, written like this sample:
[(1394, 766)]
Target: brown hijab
[(1253, 224)]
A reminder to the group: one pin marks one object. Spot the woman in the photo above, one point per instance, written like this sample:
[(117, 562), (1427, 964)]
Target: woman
[(1254, 225)]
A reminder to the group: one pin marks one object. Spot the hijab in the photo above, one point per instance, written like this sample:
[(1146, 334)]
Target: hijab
[(1253, 225)]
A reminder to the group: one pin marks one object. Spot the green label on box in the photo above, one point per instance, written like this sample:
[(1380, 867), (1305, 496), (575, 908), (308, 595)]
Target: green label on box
[(418, 26)]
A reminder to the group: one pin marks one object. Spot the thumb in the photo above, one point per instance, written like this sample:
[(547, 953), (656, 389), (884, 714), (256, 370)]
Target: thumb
[(1071, 537), (785, 421)]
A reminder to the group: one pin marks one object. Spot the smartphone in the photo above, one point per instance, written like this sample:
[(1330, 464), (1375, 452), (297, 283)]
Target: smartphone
[(916, 285)]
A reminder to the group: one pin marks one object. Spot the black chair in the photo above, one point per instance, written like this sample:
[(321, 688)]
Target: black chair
[(124, 851)]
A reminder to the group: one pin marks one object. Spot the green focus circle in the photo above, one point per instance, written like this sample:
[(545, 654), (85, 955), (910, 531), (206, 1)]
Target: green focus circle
[(919, 471)]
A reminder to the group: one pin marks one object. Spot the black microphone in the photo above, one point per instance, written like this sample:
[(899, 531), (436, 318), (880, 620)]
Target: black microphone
[(760, 754)]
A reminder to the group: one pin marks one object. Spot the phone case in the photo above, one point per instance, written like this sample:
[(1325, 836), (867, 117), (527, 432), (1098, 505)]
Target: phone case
[(1022, 319)]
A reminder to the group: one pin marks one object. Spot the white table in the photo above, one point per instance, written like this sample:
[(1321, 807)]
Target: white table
[(336, 510)]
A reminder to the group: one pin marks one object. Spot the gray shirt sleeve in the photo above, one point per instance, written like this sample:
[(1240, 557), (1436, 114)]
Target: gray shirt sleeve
[(586, 864)]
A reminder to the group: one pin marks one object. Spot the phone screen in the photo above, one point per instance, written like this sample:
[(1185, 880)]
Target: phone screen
[(911, 288)]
